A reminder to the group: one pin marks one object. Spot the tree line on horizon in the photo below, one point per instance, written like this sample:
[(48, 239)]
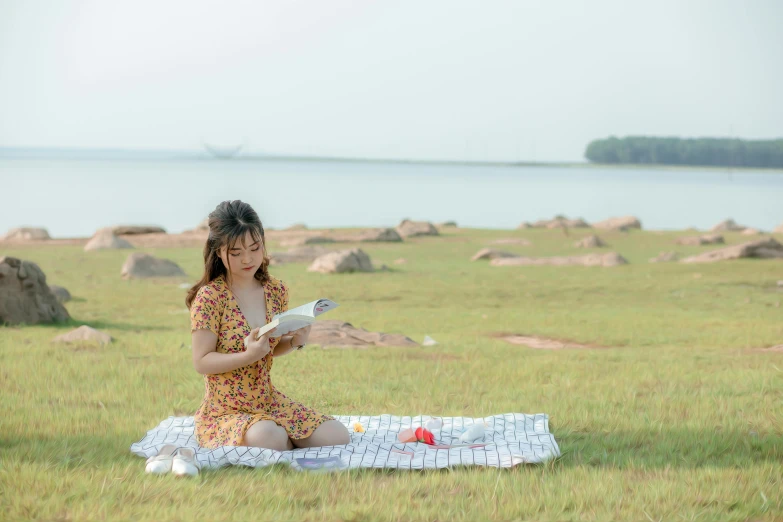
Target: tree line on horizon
[(723, 152)]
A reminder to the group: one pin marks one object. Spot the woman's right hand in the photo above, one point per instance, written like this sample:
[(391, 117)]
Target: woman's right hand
[(257, 349)]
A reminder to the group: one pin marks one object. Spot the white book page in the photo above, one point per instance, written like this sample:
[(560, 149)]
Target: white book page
[(311, 309)]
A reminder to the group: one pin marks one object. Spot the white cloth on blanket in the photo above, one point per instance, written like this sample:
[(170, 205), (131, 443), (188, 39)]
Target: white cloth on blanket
[(511, 439)]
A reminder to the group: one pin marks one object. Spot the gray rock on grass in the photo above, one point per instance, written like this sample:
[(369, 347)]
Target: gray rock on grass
[(760, 249), (142, 266), (343, 261), (25, 298)]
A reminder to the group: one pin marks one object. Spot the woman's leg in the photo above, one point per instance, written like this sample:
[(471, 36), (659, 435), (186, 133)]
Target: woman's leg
[(330, 433), (267, 434)]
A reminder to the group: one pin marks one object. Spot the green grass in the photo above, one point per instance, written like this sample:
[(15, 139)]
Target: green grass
[(679, 417)]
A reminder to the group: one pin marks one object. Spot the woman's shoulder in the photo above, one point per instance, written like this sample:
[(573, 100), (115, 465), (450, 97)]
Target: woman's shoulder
[(277, 284), (215, 289)]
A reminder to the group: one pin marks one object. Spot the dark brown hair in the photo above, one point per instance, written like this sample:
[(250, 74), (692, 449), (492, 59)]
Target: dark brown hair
[(229, 223)]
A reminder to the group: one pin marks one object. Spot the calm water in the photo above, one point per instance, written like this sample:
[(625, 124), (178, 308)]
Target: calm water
[(74, 198)]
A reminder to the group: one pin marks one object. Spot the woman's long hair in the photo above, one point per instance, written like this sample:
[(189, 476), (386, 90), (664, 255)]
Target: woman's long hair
[(229, 223)]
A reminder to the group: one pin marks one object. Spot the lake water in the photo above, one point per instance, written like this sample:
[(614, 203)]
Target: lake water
[(73, 198)]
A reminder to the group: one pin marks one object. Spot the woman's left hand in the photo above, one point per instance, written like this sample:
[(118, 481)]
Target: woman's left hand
[(300, 336)]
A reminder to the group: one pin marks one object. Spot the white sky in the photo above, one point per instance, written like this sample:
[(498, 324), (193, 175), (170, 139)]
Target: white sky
[(498, 80)]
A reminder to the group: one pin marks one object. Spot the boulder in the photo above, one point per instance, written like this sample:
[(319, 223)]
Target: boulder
[(353, 260), (708, 239), (489, 254), (408, 228), (104, 239), (24, 295), (370, 235), (558, 221), (590, 242), (511, 241), (339, 334), (606, 260), (400, 261), (304, 254), (728, 226), (619, 223), (760, 249), (61, 294), (524, 225), (751, 232), (779, 229), (305, 240), (131, 230), (447, 224), (665, 257), (26, 234), (141, 266), (83, 334), (297, 226)]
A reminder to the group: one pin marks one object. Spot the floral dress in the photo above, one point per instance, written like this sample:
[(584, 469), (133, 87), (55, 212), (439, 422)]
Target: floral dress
[(234, 400)]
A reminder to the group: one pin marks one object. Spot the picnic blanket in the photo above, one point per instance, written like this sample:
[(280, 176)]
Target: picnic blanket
[(510, 439)]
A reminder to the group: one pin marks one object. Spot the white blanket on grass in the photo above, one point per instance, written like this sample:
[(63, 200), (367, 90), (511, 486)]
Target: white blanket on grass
[(510, 438)]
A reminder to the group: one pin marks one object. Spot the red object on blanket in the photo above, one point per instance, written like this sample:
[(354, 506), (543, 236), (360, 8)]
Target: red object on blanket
[(425, 436)]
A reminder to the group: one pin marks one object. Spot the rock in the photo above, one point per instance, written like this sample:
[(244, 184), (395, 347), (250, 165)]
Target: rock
[(490, 253), (590, 242), (83, 334), (447, 224), (619, 223), (305, 254), (353, 260), (557, 222), (728, 226), (542, 343), (511, 241), (61, 294), (606, 260), (751, 232), (105, 240), (306, 240), (141, 266), (131, 230), (408, 228), (524, 225), (24, 295), (400, 261), (26, 234), (428, 341), (370, 235), (708, 239), (760, 249), (778, 229), (339, 334), (780, 283), (665, 257), (297, 226)]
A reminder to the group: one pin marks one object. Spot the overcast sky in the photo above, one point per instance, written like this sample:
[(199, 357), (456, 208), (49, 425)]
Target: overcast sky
[(496, 80)]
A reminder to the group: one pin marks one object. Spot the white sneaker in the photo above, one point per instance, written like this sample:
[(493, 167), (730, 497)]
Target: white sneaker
[(184, 463), (161, 463)]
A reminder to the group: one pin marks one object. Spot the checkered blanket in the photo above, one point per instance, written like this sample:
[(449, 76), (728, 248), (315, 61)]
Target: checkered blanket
[(510, 439)]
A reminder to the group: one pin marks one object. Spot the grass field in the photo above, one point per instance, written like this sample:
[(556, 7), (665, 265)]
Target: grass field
[(680, 416)]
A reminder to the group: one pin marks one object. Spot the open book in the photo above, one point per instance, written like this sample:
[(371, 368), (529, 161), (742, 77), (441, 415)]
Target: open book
[(297, 318)]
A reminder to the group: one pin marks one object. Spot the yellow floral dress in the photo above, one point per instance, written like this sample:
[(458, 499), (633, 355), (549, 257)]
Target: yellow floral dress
[(234, 400)]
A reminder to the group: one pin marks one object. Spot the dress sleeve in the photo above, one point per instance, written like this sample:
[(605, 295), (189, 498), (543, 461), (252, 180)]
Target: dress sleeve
[(205, 310), (283, 297)]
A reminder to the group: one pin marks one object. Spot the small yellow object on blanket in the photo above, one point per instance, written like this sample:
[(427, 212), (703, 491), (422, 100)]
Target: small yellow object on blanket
[(357, 427)]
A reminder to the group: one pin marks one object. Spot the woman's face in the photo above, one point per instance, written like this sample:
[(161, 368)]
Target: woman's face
[(244, 258)]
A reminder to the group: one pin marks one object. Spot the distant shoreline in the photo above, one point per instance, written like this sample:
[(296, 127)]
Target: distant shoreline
[(154, 155)]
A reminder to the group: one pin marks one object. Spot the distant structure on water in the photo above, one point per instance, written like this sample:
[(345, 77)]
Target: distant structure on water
[(223, 152)]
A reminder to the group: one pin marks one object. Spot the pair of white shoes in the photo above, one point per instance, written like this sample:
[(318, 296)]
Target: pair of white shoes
[(180, 461)]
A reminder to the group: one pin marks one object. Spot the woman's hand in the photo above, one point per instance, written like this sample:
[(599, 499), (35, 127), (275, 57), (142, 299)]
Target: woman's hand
[(300, 336), (257, 349)]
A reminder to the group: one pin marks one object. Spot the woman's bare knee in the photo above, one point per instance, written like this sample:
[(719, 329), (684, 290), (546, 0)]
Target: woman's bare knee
[(330, 433), (267, 434)]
